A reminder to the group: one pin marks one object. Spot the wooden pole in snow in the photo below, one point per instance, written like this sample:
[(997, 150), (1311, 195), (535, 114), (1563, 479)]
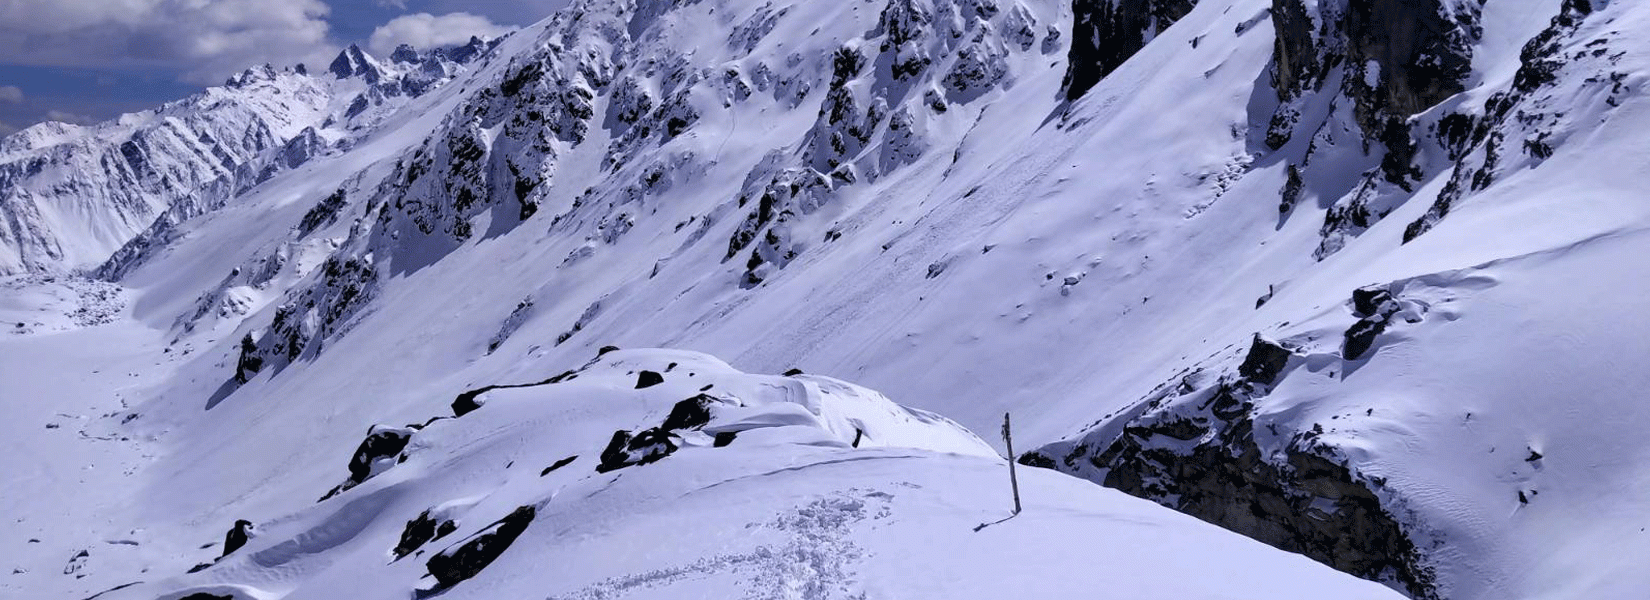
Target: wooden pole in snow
[(1013, 478)]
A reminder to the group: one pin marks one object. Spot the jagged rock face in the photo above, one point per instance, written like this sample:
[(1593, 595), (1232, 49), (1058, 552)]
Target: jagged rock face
[(303, 323), (1194, 448), (655, 443), (1405, 55), (1397, 58), (1516, 125), (1375, 64), (422, 529), (1107, 32), (1424, 52)]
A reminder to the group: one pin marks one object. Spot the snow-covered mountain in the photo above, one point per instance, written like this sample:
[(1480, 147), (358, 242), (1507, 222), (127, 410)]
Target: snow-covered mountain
[(73, 195), (1352, 278)]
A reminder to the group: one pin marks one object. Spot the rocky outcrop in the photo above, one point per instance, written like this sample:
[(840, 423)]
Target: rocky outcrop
[(1522, 119), (1196, 446), (422, 529), (1369, 66), (1400, 57), (310, 316), (469, 556), (382, 448), (1107, 32), (652, 444), (237, 536)]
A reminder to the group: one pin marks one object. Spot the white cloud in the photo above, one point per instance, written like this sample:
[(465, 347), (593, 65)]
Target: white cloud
[(424, 30), (68, 117), (205, 39), (396, 4), (6, 130), (11, 94)]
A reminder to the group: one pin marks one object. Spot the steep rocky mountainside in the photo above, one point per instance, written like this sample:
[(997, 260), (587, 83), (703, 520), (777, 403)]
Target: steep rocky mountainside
[(1353, 278)]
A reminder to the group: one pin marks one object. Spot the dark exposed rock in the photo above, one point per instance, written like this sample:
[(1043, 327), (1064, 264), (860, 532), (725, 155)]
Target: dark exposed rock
[(626, 449), (724, 438), (1403, 56), (649, 445), (471, 400), (1375, 304), (1193, 448), (614, 456), (249, 362), (468, 557), (381, 442), (691, 413), (1105, 33), (1293, 186), (793, 372), (1036, 459), (606, 349), (1296, 64), (1264, 298), (99, 594), (1264, 362), (512, 323), (1476, 144), (647, 379), (559, 464), (353, 62), (420, 530), (76, 563), (1361, 336), (313, 315), (1424, 53), (1370, 300), (237, 536), (324, 212), (1394, 59)]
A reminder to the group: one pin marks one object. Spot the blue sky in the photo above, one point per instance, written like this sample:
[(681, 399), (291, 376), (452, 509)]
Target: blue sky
[(90, 60)]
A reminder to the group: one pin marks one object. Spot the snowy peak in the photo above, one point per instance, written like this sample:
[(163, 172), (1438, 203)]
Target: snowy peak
[(355, 62)]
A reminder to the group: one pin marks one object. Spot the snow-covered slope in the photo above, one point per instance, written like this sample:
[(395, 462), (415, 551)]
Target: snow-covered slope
[(653, 473), (1426, 209)]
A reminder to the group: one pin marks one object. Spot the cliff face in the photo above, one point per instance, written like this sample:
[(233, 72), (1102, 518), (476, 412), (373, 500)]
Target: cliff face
[(1403, 56), (1373, 67), (1105, 33)]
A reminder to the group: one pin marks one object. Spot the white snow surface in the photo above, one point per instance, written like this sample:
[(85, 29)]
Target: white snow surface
[(789, 509), (1011, 253)]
